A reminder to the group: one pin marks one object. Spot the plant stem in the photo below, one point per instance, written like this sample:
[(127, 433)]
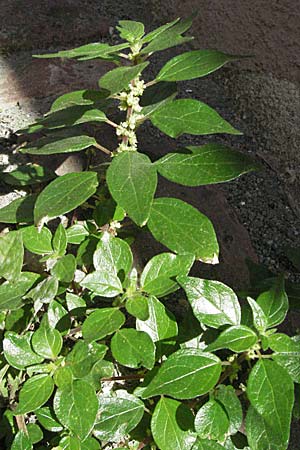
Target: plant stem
[(150, 83), (20, 419), (110, 122), (103, 149)]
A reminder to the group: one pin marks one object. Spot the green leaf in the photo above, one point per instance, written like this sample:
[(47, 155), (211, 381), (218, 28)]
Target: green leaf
[(64, 194), (158, 31), (69, 443), (75, 303), (34, 393), (157, 276), (58, 143), (103, 283), (18, 352), (77, 233), (59, 241), (11, 293), (287, 354), (28, 175), (19, 210), (76, 408), (267, 395), (75, 115), (161, 324), (260, 320), (213, 303), (45, 291), (194, 64), (101, 323), (137, 306), (172, 425), (237, 338), (211, 421), (156, 96), (167, 38), (206, 444), (94, 50), (118, 79), (112, 255), (118, 415), (79, 98), (57, 317), (209, 164), (183, 229), (34, 432), (133, 348), (39, 242), (47, 342), (63, 376), (187, 373), (65, 268), (47, 419), (90, 444), (130, 30), (274, 303), (227, 397), (21, 442), (80, 360), (260, 435), (132, 181), (187, 116), (11, 255)]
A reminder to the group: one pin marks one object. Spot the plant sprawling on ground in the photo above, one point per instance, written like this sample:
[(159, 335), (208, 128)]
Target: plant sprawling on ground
[(91, 357)]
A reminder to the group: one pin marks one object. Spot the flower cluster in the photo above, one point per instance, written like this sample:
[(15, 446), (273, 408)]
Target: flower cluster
[(130, 101)]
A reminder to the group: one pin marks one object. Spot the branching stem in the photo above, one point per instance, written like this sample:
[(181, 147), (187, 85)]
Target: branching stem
[(20, 419), (103, 149)]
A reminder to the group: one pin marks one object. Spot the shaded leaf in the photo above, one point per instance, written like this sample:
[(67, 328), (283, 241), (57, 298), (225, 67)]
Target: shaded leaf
[(158, 275), (187, 373), (101, 323), (69, 405), (227, 397), (18, 352), (132, 181), (64, 269), (11, 293), (118, 79), (172, 425), (64, 194), (34, 393), (161, 324), (81, 97), (94, 50), (274, 303), (188, 116), (156, 96), (28, 175), (287, 354), (112, 255), (47, 419), (133, 348), (213, 303), (183, 229), (211, 421), (103, 283), (11, 255), (137, 306), (19, 210), (118, 415), (74, 115), (270, 400)]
